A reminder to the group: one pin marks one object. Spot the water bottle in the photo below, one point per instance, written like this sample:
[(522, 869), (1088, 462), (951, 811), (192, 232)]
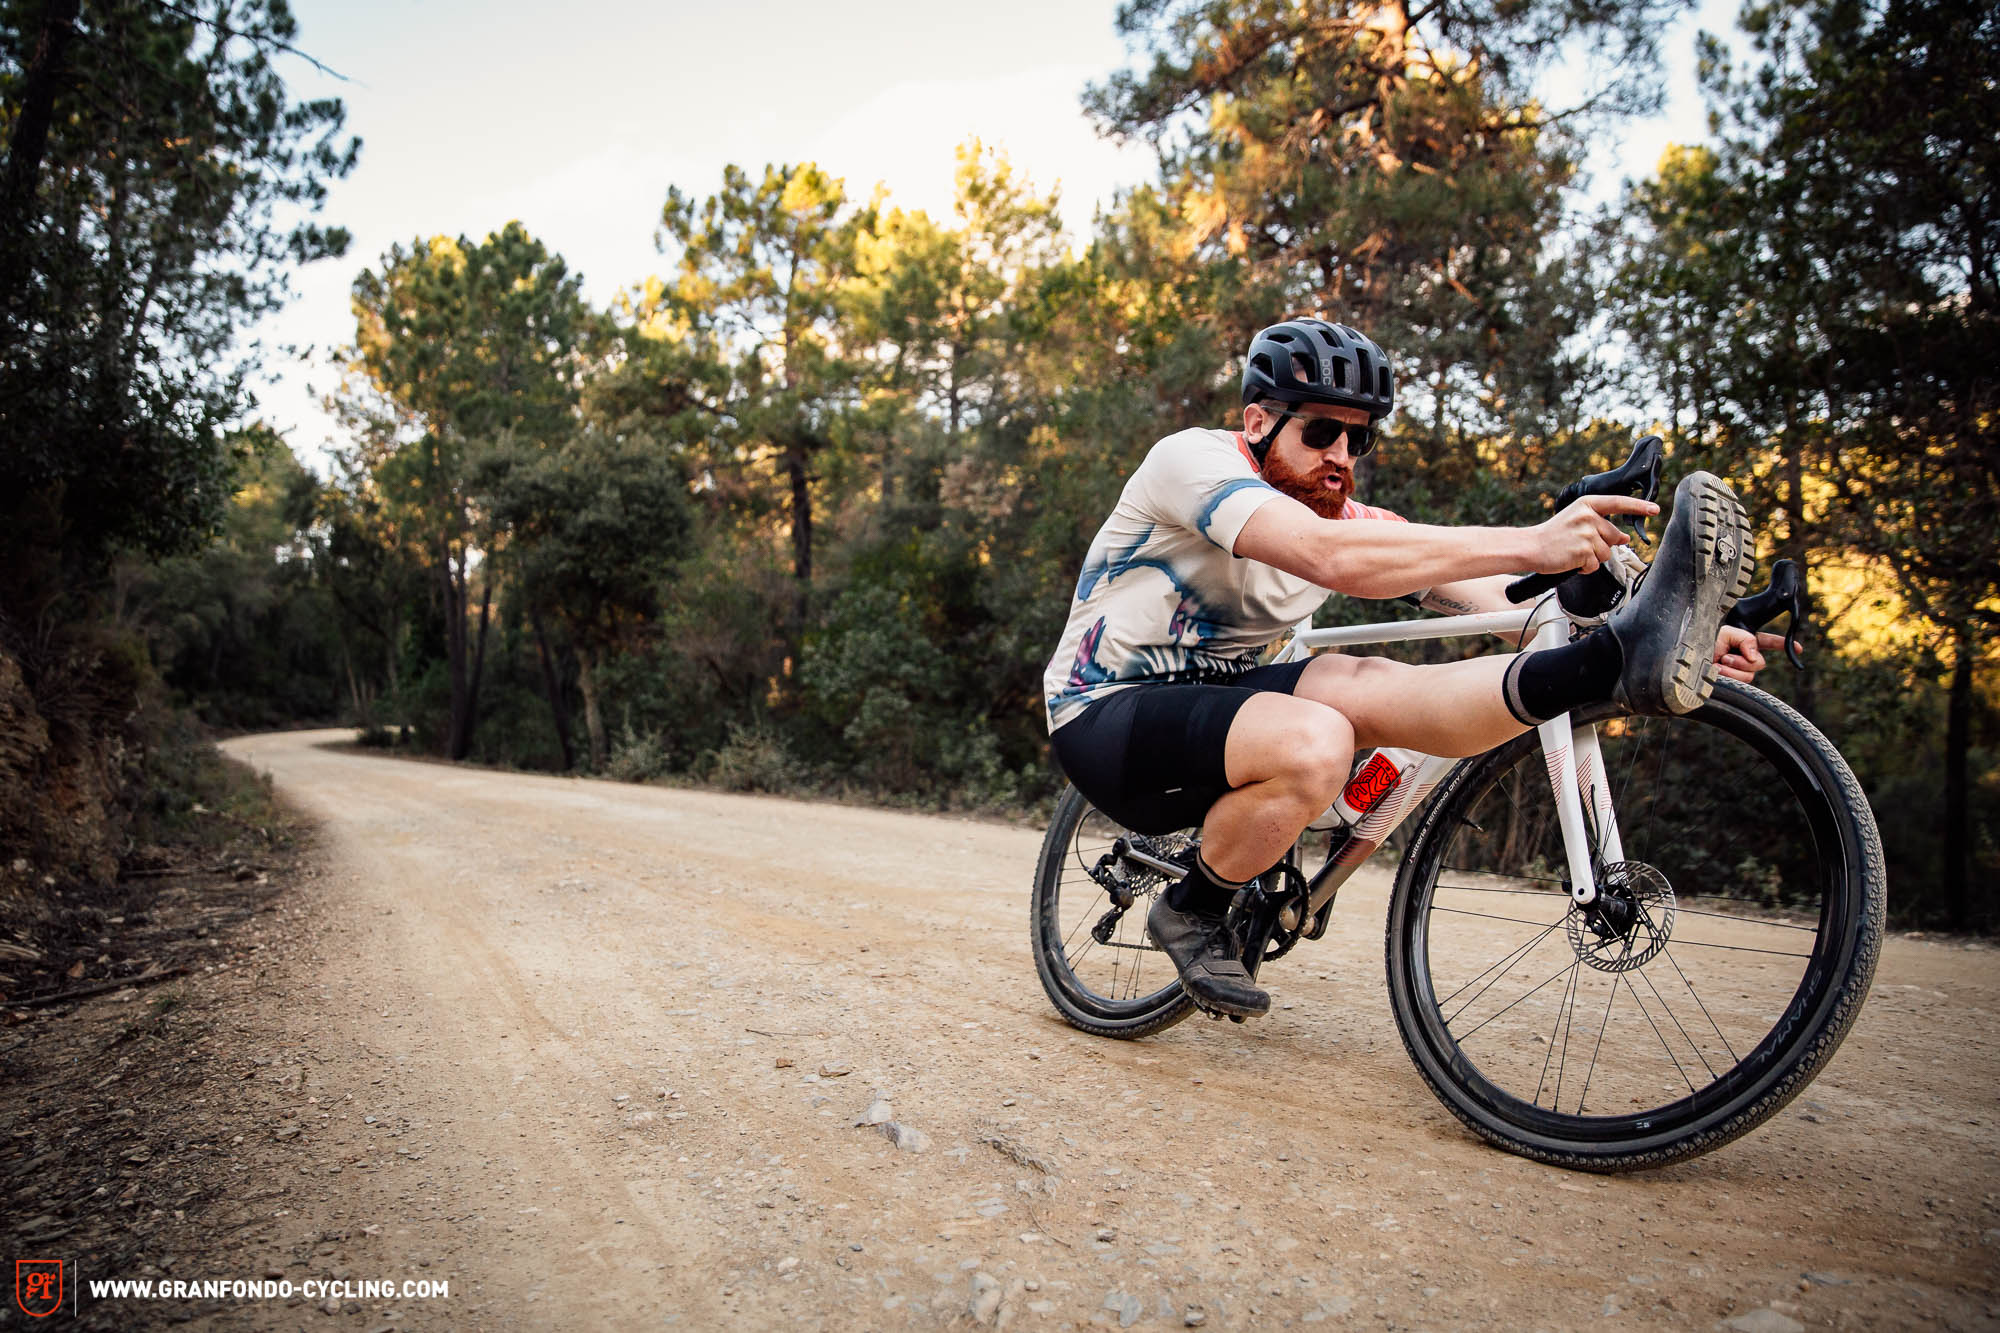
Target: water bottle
[(1375, 776)]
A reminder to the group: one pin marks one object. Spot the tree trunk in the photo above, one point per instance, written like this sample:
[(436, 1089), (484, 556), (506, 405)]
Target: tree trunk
[(1957, 791), (593, 719), (1796, 545), (557, 706), (794, 465), (458, 735), (478, 667), (28, 143)]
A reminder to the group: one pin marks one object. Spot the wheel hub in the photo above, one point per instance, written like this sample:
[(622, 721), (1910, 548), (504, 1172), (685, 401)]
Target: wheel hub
[(1629, 923)]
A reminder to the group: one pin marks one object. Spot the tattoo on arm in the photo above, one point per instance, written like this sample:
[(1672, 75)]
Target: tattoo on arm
[(1452, 606)]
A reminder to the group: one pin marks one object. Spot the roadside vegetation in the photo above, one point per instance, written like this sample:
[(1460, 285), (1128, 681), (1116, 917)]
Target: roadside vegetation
[(802, 510)]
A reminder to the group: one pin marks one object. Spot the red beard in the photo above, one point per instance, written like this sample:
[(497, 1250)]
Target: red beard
[(1311, 488)]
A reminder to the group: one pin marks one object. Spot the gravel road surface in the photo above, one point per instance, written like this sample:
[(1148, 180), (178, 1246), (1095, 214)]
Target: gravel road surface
[(595, 1054)]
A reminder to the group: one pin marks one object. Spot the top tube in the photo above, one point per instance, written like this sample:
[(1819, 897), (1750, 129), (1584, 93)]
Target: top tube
[(1404, 631)]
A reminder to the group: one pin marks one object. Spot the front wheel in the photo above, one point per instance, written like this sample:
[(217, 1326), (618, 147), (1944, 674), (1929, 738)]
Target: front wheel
[(1728, 955), (1101, 970)]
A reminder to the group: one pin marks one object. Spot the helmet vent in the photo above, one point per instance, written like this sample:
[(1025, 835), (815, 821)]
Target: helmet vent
[(1367, 371), (1382, 382), (1302, 368), (1339, 373)]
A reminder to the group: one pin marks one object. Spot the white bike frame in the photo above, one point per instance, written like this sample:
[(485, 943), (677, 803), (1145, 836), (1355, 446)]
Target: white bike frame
[(1574, 761)]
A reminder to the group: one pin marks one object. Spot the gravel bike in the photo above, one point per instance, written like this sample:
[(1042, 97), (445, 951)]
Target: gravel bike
[(1613, 942)]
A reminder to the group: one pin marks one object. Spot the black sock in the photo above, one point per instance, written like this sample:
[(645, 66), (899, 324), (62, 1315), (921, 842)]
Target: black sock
[(1202, 892), (1539, 686)]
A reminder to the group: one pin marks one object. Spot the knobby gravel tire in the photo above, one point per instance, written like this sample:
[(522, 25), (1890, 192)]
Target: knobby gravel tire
[(1843, 858), (1104, 989)]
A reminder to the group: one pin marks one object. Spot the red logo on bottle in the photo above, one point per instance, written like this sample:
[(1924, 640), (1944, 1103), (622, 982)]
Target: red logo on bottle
[(38, 1286), (1372, 783)]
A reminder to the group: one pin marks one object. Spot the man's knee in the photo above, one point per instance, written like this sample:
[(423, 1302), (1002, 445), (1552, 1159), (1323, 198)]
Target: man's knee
[(1336, 676), (1321, 752)]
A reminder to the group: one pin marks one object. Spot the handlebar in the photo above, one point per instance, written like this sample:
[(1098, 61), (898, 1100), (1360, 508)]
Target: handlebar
[(1786, 595), (1638, 475)]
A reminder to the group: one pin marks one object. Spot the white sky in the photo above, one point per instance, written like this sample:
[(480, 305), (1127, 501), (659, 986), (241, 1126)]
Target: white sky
[(576, 119)]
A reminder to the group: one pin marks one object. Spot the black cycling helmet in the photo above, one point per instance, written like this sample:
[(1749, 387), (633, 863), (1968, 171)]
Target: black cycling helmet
[(1312, 361)]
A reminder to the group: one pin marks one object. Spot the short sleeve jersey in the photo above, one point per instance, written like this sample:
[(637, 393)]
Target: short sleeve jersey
[(1162, 597)]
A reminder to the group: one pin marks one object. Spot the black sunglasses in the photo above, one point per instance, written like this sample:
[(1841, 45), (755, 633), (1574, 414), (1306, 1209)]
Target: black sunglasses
[(1319, 433)]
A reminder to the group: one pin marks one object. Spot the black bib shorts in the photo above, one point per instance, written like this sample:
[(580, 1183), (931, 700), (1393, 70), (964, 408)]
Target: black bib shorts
[(1151, 756)]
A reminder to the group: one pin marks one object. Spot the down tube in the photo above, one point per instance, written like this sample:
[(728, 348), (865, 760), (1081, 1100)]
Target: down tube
[(1375, 826)]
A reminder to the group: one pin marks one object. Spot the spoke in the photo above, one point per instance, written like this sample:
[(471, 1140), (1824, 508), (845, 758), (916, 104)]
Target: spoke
[(1517, 920), (1674, 963), (1562, 1011), (1658, 773), (1591, 1072), (1627, 979), (1574, 964), (1746, 920), (1743, 948), (1469, 870), (1508, 960), (1539, 893), (1569, 1027), (1082, 924), (1675, 1019)]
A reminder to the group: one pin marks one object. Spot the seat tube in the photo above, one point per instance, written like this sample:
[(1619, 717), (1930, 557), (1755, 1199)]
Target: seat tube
[(1559, 753)]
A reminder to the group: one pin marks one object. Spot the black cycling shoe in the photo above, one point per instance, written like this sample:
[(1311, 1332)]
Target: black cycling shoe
[(1204, 954), (1666, 631)]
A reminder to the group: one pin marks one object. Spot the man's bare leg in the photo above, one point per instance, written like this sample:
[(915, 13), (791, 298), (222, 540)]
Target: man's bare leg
[(1286, 758), (1452, 709)]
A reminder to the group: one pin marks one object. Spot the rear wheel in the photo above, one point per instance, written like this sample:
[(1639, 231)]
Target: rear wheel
[(1101, 970), (1727, 957)]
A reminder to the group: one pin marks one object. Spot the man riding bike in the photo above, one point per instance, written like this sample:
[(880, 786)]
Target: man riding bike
[(1223, 540)]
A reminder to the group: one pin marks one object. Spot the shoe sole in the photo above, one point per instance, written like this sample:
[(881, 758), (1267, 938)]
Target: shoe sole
[(1722, 540), (1220, 1008)]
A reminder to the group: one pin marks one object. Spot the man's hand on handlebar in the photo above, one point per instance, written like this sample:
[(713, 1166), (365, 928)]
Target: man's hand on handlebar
[(1739, 654), (1582, 535)]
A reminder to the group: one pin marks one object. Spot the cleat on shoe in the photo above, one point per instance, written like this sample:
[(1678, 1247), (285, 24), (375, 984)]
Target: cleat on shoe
[(1666, 631), (1203, 952)]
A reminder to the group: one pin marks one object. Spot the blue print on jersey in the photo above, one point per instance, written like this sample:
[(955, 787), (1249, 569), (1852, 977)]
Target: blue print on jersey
[(1223, 492)]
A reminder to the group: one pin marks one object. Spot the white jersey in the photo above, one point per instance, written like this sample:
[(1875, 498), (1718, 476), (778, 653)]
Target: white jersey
[(1162, 597)]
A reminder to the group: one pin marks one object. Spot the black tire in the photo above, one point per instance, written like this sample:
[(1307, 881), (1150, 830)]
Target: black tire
[(1754, 962), (1123, 986)]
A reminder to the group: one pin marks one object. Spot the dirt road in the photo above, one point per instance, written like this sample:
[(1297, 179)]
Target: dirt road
[(594, 1054)]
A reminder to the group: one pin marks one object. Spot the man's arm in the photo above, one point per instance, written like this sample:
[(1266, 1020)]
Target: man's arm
[(1469, 597), (1370, 557)]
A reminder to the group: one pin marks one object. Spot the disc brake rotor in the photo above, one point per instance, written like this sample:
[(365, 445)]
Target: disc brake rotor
[(1631, 921)]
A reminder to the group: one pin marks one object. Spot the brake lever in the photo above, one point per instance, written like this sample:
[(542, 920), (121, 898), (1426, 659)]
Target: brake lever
[(1638, 475), (1786, 594)]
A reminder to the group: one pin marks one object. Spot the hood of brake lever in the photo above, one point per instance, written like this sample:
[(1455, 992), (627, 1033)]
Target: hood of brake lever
[(1786, 595)]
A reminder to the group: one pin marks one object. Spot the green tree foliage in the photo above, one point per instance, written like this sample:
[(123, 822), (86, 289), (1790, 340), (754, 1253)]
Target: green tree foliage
[(462, 347), (760, 265), (592, 526), (806, 512), (150, 152), (1823, 294), (1388, 165), (238, 631), (156, 174)]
